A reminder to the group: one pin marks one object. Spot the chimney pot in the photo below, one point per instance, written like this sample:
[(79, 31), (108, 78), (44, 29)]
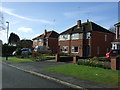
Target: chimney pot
[(78, 23), (45, 32)]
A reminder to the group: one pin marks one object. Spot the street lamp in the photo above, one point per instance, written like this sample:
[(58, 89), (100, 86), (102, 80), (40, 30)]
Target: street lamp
[(7, 30), (7, 39)]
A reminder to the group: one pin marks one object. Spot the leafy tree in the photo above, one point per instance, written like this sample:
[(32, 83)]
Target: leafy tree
[(13, 39), (25, 43)]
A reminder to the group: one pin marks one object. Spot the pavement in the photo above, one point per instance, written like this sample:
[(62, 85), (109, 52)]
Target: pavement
[(36, 69)]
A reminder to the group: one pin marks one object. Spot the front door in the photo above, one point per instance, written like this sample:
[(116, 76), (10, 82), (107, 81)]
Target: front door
[(87, 51)]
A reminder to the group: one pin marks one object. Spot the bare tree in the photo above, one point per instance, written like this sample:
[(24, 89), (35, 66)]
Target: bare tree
[(112, 29)]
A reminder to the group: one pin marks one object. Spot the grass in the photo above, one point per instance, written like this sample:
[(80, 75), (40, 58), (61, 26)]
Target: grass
[(104, 76), (17, 60), (50, 56)]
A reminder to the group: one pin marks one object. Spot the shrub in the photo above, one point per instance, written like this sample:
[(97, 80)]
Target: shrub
[(93, 63), (100, 59), (40, 55), (95, 58), (8, 50), (118, 56), (18, 51)]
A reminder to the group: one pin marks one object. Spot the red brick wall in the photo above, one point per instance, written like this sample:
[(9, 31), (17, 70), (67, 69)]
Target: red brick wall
[(53, 44), (71, 43), (98, 39)]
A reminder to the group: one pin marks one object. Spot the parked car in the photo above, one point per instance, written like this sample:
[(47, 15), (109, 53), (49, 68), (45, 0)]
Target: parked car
[(113, 53), (23, 51), (41, 48)]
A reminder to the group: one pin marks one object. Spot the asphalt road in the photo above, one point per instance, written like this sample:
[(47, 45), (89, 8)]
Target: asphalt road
[(14, 78)]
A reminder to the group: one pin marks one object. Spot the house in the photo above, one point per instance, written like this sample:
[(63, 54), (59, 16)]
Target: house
[(116, 42), (47, 41), (86, 40)]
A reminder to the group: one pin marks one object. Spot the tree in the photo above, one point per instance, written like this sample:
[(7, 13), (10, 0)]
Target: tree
[(25, 43), (112, 29), (13, 39)]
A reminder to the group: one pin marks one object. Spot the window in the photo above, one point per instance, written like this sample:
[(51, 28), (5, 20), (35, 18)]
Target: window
[(114, 46), (105, 37), (40, 40), (64, 37), (88, 35), (75, 36), (114, 52), (74, 49), (35, 41), (65, 49)]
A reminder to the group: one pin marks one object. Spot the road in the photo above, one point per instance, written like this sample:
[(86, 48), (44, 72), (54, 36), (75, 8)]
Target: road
[(14, 78)]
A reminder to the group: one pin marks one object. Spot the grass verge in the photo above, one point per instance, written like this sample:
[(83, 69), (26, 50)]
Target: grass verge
[(104, 76), (17, 60)]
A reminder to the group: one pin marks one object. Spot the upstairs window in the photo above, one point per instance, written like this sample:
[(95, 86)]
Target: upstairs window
[(40, 41), (88, 35), (64, 37), (75, 36), (35, 41)]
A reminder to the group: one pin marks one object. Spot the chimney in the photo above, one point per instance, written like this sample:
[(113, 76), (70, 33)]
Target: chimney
[(45, 32), (78, 24), (87, 20)]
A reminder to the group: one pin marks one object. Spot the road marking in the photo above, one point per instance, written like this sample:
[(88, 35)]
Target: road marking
[(47, 77)]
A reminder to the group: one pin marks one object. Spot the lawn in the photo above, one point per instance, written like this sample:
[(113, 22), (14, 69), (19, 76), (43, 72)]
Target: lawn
[(17, 60), (104, 76)]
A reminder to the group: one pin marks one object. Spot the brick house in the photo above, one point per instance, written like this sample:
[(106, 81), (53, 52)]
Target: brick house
[(116, 42), (47, 41), (86, 40)]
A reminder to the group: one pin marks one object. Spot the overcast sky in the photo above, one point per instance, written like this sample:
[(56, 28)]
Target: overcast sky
[(29, 19)]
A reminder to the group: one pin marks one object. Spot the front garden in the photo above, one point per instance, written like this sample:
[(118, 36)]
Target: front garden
[(95, 74)]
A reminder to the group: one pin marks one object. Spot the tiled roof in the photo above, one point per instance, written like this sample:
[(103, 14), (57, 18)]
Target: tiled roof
[(88, 27), (49, 34), (117, 23)]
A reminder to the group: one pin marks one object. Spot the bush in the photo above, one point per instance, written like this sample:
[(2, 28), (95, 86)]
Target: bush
[(100, 59), (18, 51), (40, 55), (48, 52), (95, 59), (118, 57), (8, 50), (93, 63)]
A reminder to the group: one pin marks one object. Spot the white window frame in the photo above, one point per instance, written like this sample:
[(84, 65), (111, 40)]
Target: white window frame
[(75, 38), (40, 40), (74, 48), (63, 37), (35, 41), (88, 35), (66, 47)]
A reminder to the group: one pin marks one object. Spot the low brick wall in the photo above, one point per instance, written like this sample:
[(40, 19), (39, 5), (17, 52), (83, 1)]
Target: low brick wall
[(115, 63), (63, 59), (66, 59)]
